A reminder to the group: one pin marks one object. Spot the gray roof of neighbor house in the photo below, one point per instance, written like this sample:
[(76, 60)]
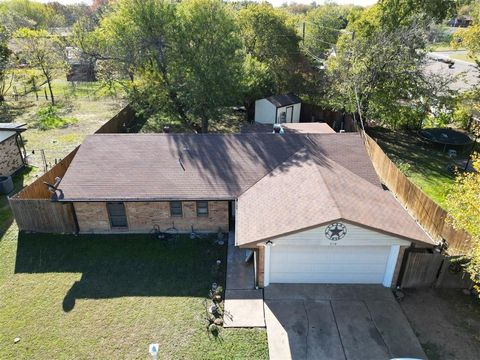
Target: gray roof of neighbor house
[(284, 100), (283, 183)]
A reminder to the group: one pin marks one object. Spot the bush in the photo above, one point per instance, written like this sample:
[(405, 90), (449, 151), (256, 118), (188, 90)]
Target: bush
[(48, 118)]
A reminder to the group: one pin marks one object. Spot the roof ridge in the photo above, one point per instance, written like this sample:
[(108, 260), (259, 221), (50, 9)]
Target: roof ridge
[(268, 173)]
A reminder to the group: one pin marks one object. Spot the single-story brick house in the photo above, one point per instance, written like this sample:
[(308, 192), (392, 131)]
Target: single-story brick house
[(310, 206), (12, 151)]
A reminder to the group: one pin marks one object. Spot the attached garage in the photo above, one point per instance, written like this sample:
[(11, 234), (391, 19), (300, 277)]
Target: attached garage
[(325, 219), (352, 255)]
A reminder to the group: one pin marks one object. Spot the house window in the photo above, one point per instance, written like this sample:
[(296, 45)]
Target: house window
[(176, 208), (117, 215), (202, 208)]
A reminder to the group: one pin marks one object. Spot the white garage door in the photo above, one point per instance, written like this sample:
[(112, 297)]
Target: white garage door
[(328, 264)]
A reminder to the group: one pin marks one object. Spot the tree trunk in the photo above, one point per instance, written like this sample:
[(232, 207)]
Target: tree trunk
[(204, 125), (51, 91)]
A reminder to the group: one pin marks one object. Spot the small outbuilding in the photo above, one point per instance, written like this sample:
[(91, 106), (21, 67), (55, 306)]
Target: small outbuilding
[(278, 109), (12, 150)]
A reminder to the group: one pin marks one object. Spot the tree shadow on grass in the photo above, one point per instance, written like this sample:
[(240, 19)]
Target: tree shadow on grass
[(124, 265)]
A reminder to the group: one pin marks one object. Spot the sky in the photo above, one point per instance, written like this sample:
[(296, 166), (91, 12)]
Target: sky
[(274, 2)]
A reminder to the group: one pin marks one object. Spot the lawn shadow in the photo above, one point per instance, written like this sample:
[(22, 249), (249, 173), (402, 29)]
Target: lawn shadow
[(124, 265)]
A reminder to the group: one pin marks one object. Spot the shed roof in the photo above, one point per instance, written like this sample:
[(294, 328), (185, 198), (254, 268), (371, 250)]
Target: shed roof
[(284, 100), (4, 135)]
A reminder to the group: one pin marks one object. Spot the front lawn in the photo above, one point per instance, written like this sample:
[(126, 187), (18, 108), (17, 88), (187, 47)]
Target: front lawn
[(425, 164), (108, 297)]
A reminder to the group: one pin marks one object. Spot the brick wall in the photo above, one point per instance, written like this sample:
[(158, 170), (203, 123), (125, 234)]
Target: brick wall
[(142, 216), (10, 156), (92, 217)]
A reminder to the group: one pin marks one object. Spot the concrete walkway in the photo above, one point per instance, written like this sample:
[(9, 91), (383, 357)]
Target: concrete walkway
[(316, 321), (243, 303)]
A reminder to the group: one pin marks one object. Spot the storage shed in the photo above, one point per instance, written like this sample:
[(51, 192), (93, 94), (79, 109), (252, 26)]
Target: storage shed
[(12, 151), (278, 109)]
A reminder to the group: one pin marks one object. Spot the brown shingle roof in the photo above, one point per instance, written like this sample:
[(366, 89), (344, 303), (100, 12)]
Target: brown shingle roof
[(314, 191), (284, 183)]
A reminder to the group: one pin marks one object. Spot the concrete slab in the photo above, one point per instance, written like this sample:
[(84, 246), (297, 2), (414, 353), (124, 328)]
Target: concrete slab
[(327, 292), (286, 329), (360, 338), (395, 330), (318, 321), (240, 275), (323, 340), (244, 308)]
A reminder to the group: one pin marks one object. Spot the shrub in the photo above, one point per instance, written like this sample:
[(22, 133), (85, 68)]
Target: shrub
[(49, 118)]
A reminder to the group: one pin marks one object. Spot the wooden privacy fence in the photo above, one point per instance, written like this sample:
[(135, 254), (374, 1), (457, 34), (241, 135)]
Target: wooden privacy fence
[(429, 215), (433, 269), (33, 208), (335, 119)]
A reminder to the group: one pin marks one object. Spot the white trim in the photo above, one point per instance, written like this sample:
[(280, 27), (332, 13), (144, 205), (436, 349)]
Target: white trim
[(391, 264), (266, 267)]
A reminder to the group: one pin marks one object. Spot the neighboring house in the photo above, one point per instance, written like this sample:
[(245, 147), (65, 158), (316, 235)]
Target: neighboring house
[(12, 151), (310, 206), (278, 109)]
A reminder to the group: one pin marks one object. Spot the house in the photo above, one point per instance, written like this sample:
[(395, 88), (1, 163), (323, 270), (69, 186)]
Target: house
[(309, 205), (278, 109), (12, 150)]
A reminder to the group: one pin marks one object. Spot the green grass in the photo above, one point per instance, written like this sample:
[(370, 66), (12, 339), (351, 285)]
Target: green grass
[(463, 57), (425, 164), (108, 297)]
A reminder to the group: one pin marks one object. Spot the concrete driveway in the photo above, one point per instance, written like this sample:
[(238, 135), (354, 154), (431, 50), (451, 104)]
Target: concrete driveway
[(317, 321)]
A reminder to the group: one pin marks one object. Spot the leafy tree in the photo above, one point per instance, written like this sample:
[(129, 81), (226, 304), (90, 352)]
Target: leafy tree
[(41, 51), (15, 14), (323, 25), (463, 204), (383, 75), (470, 39), (182, 58), (395, 13), (5, 53), (271, 44), (205, 58)]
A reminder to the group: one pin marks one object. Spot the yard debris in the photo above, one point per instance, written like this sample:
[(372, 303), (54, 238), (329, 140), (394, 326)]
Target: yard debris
[(16, 340)]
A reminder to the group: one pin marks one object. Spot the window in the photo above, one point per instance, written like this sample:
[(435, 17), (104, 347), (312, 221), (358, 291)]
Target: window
[(117, 215), (202, 208), (176, 208)]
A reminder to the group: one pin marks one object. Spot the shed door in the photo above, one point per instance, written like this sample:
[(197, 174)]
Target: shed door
[(289, 117), (328, 264)]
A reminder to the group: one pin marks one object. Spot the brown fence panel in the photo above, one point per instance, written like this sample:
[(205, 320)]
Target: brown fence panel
[(42, 215), (315, 113), (421, 270), (37, 189), (430, 215)]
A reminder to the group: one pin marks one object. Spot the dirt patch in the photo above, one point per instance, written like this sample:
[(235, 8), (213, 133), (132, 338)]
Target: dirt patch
[(447, 322)]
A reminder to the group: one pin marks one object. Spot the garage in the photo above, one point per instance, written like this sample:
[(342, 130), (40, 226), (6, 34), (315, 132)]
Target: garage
[(328, 264), (335, 253)]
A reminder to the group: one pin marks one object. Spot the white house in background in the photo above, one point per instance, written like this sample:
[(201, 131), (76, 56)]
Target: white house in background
[(278, 109)]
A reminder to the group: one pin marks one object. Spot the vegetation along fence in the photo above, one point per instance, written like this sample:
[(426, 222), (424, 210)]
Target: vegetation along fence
[(32, 207), (431, 216)]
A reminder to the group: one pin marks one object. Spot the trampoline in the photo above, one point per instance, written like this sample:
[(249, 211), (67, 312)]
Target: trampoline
[(446, 136)]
